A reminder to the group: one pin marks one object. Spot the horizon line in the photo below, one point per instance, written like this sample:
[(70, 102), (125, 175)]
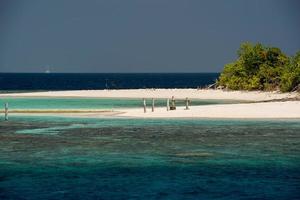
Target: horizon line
[(109, 72)]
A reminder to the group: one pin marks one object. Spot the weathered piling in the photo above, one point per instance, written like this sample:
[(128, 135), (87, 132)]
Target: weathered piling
[(6, 111), (187, 103), (168, 104), (173, 106), (152, 104), (144, 104)]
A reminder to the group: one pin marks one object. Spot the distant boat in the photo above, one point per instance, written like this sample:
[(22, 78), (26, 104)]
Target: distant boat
[(47, 71)]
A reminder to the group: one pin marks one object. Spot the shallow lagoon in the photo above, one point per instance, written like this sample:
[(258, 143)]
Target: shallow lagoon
[(76, 158), (94, 103)]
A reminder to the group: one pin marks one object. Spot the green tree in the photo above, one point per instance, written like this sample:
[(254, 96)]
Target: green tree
[(291, 75), (261, 68)]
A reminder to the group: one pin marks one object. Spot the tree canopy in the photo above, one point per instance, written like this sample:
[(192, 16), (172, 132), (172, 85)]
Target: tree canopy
[(259, 67)]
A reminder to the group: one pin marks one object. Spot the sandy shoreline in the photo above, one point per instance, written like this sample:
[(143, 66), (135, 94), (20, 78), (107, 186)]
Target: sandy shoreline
[(270, 110), (287, 109), (161, 93)]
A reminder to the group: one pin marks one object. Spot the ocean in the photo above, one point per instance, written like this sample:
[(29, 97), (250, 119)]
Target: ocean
[(76, 158), (53, 81), (50, 157)]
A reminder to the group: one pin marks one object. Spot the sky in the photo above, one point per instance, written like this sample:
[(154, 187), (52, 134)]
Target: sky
[(140, 36)]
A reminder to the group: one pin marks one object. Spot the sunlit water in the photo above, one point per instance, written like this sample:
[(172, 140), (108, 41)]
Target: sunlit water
[(65, 158), (94, 103)]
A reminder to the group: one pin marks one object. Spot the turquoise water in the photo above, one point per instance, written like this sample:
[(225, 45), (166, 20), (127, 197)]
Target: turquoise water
[(76, 158), (92, 103)]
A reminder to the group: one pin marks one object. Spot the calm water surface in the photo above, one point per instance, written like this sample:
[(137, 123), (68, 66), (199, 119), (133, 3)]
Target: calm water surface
[(65, 158), (94, 103), (10, 82)]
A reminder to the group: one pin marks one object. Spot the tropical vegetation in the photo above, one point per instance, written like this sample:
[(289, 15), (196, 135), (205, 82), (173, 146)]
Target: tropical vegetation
[(260, 67)]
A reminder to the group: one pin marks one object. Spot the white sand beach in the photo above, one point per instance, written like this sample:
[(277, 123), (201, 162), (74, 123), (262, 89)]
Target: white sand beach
[(274, 110), (256, 109), (162, 93)]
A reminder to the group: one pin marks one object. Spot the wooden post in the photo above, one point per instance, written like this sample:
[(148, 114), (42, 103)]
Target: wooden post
[(173, 101), (187, 103), (173, 106), (168, 104), (6, 111), (152, 104), (144, 104)]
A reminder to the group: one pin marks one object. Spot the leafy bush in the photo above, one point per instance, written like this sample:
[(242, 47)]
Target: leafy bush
[(290, 78), (261, 68)]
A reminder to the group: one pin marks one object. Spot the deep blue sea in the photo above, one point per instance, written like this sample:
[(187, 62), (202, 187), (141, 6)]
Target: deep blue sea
[(53, 81)]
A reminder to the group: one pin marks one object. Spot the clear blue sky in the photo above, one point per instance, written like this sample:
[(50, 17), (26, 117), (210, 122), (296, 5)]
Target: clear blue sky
[(140, 35)]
